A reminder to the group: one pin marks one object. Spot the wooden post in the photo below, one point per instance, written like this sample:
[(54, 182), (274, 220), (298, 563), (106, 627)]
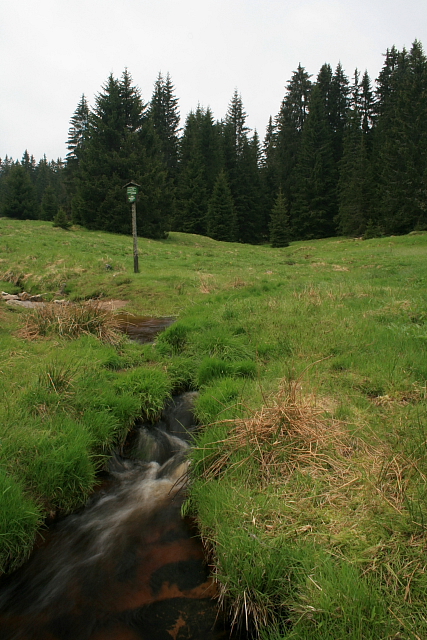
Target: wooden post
[(132, 193), (135, 239)]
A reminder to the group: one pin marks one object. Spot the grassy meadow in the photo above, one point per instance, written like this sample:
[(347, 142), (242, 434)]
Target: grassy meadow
[(309, 478)]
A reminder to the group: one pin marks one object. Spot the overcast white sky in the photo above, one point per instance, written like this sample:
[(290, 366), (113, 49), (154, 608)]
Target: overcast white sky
[(52, 51)]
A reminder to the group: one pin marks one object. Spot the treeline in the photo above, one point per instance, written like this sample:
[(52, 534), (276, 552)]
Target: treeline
[(341, 157)]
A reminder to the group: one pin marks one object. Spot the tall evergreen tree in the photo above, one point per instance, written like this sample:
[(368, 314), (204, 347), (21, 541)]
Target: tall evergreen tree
[(5, 166), (165, 116), (121, 146), (29, 164), (199, 165), (367, 107), (241, 163), (43, 177), (235, 127), (339, 104), (78, 131), (210, 147), (248, 196), (192, 192), (234, 133), (19, 198), (221, 223), (290, 123), (268, 176), (315, 205), (400, 139), (279, 224), (355, 186), (49, 204)]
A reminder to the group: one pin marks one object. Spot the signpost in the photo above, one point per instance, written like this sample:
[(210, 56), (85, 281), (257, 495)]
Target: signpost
[(132, 192)]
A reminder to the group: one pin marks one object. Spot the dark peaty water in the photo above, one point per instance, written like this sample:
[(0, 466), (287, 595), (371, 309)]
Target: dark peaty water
[(127, 567), (142, 328)]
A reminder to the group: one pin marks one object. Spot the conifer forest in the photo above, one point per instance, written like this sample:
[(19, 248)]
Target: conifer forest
[(343, 156)]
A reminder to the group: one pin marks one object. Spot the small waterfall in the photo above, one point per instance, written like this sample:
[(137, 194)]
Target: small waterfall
[(127, 566)]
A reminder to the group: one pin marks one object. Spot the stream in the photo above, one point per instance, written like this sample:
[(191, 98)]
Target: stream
[(127, 566)]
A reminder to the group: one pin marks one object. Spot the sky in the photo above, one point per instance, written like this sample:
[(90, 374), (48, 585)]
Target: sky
[(53, 51)]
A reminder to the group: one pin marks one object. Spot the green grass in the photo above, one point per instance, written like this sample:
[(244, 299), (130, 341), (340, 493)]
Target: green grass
[(311, 539)]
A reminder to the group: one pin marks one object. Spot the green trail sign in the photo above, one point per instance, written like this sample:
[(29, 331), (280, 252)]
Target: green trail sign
[(132, 192)]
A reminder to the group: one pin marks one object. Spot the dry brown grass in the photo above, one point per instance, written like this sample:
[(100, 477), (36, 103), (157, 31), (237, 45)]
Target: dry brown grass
[(72, 321), (331, 481), (287, 433), (323, 484), (205, 285), (14, 277)]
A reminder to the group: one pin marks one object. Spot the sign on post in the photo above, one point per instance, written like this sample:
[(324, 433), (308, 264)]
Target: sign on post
[(132, 192)]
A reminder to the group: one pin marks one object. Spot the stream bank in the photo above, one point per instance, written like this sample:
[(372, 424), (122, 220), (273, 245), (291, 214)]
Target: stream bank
[(127, 566)]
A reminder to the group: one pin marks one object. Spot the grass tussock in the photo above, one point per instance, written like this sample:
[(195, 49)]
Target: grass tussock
[(72, 321), (312, 485), (281, 437)]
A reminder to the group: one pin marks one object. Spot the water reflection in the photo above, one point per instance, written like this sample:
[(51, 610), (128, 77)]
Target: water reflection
[(142, 329)]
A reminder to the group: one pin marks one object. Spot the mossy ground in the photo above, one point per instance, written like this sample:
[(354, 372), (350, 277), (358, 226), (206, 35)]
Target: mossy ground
[(315, 533)]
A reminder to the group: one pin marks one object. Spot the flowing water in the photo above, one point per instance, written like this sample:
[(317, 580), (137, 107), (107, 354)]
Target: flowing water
[(127, 566)]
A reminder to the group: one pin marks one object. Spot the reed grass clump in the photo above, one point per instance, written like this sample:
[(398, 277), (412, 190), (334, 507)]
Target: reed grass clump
[(150, 386), (299, 509), (72, 321)]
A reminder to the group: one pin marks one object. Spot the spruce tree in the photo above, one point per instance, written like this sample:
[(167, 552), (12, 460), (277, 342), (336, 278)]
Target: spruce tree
[(400, 139), (5, 166), (338, 108), (78, 131), (49, 204), (268, 177), (43, 177), (29, 164), (191, 192), (210, 147), (165, 117), (241, 163), (61, 220), (221, 223), (367, 107), (199, 165), (355, 186), (248, 196), (193, 197), (279, 223), (289, 126), (121, 145), (235, 127), (315, 201), (19, 198)]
